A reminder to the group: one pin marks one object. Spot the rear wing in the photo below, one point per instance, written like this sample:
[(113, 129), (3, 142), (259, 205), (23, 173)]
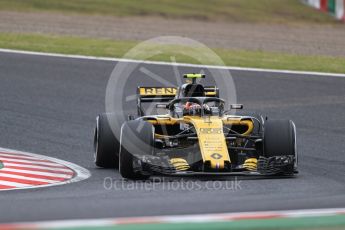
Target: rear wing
[(165, 94), (160, 94)]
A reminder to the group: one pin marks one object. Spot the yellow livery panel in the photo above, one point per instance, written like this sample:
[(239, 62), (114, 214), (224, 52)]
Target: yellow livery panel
[(211, 140)]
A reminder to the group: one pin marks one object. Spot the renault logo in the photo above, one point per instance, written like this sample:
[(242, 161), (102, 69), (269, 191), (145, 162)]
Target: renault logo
[(216, 156)]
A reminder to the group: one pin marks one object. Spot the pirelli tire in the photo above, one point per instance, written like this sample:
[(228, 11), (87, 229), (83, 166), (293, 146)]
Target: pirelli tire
[(280, 139), (137, 137), (106, 145)]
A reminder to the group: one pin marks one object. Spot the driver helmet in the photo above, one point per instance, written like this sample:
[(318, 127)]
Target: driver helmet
[(192, 108)]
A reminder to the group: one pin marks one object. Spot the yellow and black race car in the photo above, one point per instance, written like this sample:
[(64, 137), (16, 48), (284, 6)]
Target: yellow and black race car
[(197, 136)]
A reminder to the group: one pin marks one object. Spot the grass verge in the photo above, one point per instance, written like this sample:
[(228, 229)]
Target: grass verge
[(336, 222), (266, 11), (111, 48)]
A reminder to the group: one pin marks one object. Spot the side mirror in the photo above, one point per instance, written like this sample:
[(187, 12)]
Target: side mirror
[(236, 106)]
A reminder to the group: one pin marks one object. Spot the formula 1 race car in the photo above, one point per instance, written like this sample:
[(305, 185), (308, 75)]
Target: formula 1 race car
[(198, 136)]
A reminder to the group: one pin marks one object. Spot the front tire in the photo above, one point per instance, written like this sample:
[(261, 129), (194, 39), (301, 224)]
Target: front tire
[(106, 144), (280, 139)]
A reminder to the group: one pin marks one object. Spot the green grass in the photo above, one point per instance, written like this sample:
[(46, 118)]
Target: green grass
[(336, 222), (111, 48), (266, 11)]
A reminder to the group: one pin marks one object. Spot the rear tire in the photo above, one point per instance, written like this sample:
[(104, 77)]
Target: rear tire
[(280, 139), (106, 144), (137, 137)]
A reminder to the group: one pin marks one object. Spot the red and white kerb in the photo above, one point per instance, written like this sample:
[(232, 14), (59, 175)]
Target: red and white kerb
[(26, 170)]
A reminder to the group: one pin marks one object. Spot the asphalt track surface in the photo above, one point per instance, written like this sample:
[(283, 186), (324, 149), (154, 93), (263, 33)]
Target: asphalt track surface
[(48, 106)]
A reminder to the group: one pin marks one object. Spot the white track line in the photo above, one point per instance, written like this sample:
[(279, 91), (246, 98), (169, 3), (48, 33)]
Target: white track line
[(300, 73), (202, 218), (27, 178), (38, 167)]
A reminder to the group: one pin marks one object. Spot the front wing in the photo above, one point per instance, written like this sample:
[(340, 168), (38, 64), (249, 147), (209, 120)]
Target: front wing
[(282, 166)]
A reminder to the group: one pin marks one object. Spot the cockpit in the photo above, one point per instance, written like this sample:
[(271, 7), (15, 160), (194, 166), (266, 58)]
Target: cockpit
[(196, 106)]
